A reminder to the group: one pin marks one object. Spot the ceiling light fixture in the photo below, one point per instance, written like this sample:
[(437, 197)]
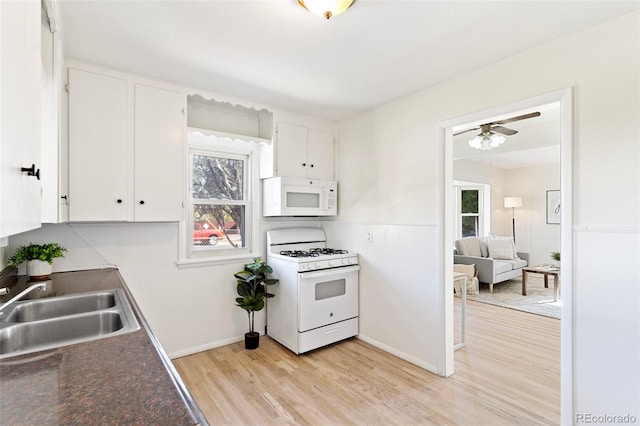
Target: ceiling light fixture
[(326, 8), (487, 139)]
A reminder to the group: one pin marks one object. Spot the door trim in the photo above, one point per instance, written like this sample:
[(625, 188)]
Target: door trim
[(445, 142)]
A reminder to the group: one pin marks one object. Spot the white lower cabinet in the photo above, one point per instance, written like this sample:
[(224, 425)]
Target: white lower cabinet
[(126, 151)]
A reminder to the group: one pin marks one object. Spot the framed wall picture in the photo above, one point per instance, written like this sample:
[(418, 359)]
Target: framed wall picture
[(553, 206)]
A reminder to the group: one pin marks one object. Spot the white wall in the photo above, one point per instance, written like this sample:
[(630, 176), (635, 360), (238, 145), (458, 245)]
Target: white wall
[(397, 144), (533, 234)]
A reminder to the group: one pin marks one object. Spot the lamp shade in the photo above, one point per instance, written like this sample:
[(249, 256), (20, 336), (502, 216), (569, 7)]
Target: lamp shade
[(512, 202), (326, 8)]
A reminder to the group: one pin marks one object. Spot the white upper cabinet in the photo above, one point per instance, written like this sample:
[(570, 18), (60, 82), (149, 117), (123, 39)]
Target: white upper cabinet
[(19, 116), (98, 179), (159, 154), (126, 150), (304, 152), (320, 155)]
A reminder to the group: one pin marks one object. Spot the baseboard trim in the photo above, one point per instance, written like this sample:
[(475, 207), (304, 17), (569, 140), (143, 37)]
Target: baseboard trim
[(400, 354), (201, 348)]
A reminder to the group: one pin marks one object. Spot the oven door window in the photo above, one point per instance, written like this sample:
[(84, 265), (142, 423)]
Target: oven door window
[(328, 289)]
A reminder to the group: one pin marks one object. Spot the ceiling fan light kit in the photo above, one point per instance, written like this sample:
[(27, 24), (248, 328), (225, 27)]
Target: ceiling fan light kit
[(492, 135), (486, 142), (326, 8)]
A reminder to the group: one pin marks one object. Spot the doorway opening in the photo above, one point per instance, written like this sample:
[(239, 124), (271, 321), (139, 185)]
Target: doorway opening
[(561, 99)]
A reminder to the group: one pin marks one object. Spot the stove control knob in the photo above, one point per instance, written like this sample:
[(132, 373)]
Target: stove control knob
[(345, 261), (331, 263), (317, 265)]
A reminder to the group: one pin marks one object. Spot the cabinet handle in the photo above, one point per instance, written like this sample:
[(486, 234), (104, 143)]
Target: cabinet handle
[(311, 165), (119, 201), (141, 202), (31, 171), (304, 164)]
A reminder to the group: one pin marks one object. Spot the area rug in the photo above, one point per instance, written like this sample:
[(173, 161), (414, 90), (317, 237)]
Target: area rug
[(508, 294)]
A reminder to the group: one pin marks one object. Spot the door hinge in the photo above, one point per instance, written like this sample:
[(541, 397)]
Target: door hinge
[(182, 111), (66, 87)]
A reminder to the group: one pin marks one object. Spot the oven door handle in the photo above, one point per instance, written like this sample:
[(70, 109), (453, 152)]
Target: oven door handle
[(329, 272)]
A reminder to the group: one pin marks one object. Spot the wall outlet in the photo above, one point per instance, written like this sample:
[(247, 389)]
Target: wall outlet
[(370, 236)]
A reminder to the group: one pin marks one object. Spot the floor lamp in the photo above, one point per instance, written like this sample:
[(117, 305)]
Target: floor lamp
[(512, 203)]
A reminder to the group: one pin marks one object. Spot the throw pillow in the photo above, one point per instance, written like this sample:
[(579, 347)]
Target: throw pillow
[(472, 280), (501, 249), (484, 249), (468, 246)]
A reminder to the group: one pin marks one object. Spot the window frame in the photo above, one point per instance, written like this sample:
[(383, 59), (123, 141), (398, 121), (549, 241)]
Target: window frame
[(484, 212), (200, 143)]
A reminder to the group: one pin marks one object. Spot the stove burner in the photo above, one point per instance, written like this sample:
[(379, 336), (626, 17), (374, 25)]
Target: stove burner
[(298, 253), (328, 251), (314, 252)]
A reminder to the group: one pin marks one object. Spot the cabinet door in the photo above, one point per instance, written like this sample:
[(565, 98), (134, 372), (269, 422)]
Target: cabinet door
[(292, 150), (97, 147), (19, 115), (159, 182), (319, 155)]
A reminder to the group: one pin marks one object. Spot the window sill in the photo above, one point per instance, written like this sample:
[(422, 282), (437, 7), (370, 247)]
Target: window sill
[(214, 261)]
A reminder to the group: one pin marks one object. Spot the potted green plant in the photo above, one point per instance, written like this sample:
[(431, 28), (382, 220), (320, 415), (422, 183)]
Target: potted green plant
[(251, 286), (39, 258)]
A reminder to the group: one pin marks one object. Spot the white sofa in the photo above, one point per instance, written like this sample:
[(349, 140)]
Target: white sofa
[(495, 258)]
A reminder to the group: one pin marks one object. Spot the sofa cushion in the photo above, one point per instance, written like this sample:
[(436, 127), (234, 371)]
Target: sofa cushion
[(517, 263), (468, 246), (501, 266)]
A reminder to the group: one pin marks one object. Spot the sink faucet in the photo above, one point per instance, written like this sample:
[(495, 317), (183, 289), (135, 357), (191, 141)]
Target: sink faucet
[(42, 286)]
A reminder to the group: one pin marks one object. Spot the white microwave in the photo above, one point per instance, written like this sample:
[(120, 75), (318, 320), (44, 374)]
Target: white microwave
[(286, 196)]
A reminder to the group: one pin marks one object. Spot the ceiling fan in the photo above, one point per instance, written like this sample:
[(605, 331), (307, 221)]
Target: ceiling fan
[(492, 135)]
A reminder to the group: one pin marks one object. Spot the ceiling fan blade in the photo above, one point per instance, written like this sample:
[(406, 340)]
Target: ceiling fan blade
[(465, 131), (518, 118), (504, 130)]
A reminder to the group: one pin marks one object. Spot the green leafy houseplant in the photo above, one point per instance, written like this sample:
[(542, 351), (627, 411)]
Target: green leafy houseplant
[(555, 255), (43, 252), (252, 285)]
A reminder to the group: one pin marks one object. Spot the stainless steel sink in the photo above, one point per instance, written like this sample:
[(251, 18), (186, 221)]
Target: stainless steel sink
[(39, 309), (36, 325)]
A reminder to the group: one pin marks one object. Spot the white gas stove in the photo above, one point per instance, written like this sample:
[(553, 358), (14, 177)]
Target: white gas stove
[(316, 300)]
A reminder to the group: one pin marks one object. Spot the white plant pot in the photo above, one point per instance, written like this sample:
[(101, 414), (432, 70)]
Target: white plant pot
[(38, 269)]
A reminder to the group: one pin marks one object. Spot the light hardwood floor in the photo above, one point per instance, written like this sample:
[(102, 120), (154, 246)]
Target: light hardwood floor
[(508, 374)]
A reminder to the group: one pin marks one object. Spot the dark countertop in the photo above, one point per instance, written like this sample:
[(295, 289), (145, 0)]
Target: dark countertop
[(125, 379)]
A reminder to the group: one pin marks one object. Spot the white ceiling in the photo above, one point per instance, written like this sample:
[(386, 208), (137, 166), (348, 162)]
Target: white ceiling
[(276, 53)]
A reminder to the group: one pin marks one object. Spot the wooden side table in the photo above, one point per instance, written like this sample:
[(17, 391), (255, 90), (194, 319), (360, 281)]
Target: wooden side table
[(546, 271)]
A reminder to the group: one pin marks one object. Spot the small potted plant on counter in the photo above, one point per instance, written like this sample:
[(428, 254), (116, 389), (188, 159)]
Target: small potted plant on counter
[(39, 258), (555, 255), (252, 285)]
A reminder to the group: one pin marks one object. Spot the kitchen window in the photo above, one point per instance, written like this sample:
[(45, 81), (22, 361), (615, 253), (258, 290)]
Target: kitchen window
[(222, 219)]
